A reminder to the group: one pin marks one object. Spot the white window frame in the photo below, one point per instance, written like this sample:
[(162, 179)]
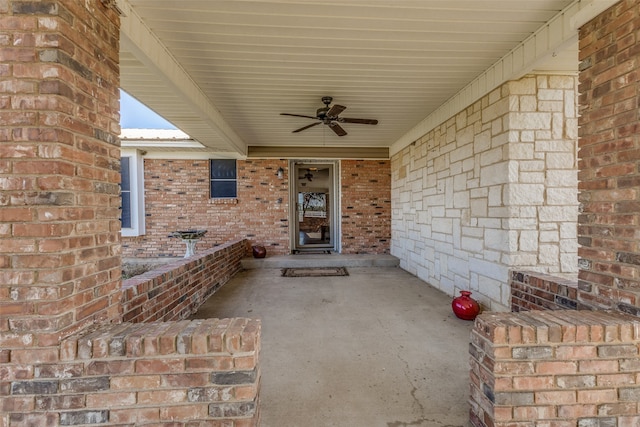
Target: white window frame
[(136, 178)]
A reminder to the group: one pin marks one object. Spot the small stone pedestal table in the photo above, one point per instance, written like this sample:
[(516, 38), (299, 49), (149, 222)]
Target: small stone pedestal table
[(190, 238)]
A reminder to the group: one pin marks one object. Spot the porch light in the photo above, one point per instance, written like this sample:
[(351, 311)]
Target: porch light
[(280, 173)]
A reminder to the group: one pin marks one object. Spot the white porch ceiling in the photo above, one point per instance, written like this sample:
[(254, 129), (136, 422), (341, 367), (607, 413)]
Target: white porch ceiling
[(223, 71)]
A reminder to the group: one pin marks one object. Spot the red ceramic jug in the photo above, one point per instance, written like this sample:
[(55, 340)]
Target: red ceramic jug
[(465, 307)]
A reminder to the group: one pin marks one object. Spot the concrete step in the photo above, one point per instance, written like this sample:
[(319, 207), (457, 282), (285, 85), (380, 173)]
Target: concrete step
[(320, 260)]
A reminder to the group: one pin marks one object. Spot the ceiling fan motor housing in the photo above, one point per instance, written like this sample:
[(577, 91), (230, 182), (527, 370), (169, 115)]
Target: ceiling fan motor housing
[(322, 112)]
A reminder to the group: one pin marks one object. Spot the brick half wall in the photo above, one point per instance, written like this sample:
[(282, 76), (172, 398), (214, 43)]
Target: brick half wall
[(175, 290), (201, 372), (177, 372), (538, 291), (555, 368)]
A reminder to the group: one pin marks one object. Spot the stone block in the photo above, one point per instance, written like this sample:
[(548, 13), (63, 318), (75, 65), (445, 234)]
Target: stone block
[(531, 177), (562, 178), (526, 194), (492, 156), (549, 236), (528, 241), (472, 244), (495, 110), (549, 254), (530, 121), (497, 173), (482, 142), (562, 82), (524, 86), (551, 95), (550, 106), (531, 166), (461, 199), (521, 151), (559, 160), (562, 196)]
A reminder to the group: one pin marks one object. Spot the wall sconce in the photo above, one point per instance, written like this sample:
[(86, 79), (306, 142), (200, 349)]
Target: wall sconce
[(280, 173)]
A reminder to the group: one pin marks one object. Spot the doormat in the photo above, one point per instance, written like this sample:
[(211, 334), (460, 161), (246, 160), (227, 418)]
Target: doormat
[(314, 272)]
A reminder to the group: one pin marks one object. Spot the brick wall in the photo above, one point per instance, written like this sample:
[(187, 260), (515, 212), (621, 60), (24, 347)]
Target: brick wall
[(59, 232), (201, 372), (539, 291), (366, 206), (64, 357), (492, 188), (609, 144), (175, 290), (177, 197), (555, 368)]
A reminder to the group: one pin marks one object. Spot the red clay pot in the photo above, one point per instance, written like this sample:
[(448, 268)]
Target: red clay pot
[(259, 251), (465, 307)]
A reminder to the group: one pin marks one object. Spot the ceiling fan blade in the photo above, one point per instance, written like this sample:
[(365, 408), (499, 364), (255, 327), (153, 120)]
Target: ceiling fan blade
[(306, 127), (337, 129), (360, 121), (298, 115), (335, 110)]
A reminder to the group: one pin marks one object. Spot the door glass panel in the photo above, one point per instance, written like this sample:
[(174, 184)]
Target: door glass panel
[(314, 210)]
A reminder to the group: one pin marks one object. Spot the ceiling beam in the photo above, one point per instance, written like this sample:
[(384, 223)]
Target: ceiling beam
[(559, 32), (147, 48), (282, 152)]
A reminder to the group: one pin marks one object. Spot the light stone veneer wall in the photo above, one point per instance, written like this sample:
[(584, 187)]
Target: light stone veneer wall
[(492, 188)]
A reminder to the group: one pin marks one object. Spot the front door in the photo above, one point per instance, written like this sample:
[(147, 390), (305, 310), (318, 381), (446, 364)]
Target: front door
[(315, 207)]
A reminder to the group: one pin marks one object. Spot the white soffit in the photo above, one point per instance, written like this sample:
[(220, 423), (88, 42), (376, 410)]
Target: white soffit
[(224, 70), (551, 40), (145, 46)]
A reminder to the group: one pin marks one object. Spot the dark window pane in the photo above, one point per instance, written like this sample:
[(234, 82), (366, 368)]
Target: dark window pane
[(125, 185), (223, 178), (223, 169), (125, 192), (126, 209), (220, 189)]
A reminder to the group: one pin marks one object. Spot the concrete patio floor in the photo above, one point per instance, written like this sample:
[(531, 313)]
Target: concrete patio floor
[(376, 348)]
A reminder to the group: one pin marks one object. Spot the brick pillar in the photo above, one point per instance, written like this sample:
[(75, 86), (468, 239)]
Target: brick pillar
[(366, 206), (59, 173), (555, 368), (609, 151)]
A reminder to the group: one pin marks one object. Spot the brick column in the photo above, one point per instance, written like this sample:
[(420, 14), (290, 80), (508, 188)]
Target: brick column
[(366, 206), (609, 151), (555, 368), (59, 172)]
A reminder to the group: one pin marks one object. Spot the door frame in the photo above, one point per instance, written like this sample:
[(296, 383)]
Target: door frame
[(334, 206)]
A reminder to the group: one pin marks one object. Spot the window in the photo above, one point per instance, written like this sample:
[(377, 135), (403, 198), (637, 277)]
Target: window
[(125, 192), (131, 193), (223, 178)]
